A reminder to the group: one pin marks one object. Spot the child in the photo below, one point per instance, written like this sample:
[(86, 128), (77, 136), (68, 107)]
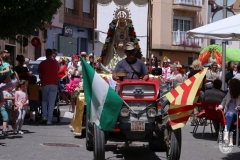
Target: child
[(4, 84), (33, 90), (21, 102)]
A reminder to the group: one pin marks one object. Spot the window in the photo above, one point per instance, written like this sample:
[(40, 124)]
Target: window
[(69, 6), (86, 15), (182, 24), (68, 10), (86, 6)]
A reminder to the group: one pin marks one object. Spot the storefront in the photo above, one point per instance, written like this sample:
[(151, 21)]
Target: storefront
[(68, 40)]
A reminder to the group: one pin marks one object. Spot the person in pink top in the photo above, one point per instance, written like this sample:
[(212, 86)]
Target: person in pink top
[(21, 103), (48, 73)]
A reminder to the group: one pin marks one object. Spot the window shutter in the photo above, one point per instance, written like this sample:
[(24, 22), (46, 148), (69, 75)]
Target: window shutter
[(86, 6), (70, 4)]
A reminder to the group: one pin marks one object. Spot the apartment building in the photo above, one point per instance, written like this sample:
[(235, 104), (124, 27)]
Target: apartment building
[(171, 19), (76, 34)]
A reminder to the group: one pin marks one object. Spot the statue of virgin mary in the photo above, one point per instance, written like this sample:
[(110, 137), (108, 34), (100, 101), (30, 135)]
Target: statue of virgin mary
[(120, 36)]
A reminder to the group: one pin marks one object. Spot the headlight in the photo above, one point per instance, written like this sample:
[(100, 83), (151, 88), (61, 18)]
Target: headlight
[(124, 112), (151, 112)]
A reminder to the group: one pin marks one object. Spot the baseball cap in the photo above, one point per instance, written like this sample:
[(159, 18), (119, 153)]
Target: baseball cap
[(129, 46)]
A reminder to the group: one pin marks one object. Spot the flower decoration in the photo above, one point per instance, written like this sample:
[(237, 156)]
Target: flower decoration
[(133, 37), (184, 42), (99, 59), (109, 38)]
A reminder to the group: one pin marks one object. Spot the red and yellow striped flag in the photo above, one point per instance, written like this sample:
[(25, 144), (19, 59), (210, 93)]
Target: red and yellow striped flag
[(182, 99)]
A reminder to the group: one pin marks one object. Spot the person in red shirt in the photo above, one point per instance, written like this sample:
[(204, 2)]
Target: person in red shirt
[(48, 73), (62, 78)]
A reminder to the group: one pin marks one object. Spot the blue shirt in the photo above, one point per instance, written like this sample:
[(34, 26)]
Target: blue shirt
[(138, 65)]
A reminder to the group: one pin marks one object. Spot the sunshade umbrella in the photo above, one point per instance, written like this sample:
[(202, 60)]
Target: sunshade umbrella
[(225, 29)]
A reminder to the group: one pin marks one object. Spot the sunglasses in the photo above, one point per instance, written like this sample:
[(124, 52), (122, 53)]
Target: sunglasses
[(130, 51)]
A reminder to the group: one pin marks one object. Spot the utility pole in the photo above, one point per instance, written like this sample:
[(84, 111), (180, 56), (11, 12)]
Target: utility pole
[(224, 42)]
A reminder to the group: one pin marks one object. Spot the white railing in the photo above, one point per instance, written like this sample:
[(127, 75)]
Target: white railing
[(180, 38), (189, 2)]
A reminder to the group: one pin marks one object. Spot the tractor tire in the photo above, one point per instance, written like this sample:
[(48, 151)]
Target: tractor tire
[(99, 144), (89, 137), (174, 148)]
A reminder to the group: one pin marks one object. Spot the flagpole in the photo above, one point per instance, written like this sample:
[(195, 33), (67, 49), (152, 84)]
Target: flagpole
[(93, 32)]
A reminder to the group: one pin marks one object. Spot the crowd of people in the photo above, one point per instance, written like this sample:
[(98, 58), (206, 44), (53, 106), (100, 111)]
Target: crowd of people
[(20, 89), (13, 92), (173, 74), (21, 93)]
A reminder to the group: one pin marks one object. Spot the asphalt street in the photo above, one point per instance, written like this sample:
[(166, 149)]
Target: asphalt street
[(64, 146)]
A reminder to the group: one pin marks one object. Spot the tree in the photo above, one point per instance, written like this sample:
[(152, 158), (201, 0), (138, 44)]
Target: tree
[(23, 16)]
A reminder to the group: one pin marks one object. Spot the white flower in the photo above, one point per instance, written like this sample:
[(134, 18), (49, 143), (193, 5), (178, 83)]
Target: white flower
[(129, 25), (135, 40), (112, 26), (108, 40)]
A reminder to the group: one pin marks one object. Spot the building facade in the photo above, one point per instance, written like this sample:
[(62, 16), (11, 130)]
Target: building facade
[(76, 34), (171, 19)]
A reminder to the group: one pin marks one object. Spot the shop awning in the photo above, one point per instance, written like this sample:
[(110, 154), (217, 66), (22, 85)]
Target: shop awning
[(225, 29)]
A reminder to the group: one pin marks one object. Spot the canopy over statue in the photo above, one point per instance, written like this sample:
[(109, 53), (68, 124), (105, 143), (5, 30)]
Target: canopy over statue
[(120, 32), (124, 2)]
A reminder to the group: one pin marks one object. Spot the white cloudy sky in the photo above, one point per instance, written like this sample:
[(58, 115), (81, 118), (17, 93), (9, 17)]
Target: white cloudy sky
[(138, 16)]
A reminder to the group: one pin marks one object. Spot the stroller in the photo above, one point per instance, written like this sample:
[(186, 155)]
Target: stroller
[(56, 111)]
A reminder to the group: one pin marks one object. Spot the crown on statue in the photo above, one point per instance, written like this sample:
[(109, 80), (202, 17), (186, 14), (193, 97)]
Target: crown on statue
[(122, 13)]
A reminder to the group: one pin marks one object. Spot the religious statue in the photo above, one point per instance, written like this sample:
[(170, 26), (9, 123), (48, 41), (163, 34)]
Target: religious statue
[(119, 33)]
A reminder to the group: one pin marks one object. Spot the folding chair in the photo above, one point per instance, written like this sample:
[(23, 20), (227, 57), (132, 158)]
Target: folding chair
[(209, 113)]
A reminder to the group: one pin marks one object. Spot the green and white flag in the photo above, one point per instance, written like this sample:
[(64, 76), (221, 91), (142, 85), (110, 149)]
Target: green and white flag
[(103, 103)]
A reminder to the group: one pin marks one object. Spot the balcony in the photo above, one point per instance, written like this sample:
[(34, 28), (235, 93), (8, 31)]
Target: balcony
[(180, 39), (188, 5)]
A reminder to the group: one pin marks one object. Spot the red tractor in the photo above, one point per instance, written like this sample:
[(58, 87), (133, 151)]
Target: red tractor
[(144, 118)]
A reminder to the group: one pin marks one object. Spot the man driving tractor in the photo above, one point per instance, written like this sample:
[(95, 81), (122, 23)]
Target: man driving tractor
[(134, 67)]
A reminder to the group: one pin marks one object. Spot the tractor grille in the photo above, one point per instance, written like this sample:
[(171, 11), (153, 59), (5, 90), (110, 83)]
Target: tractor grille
[(133, 91)]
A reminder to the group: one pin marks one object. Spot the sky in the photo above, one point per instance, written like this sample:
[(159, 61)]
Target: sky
[(138, 16)]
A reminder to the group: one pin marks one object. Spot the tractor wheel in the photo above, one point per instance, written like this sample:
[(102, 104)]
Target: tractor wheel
[(89, 137), (174, 144), (99, 144)]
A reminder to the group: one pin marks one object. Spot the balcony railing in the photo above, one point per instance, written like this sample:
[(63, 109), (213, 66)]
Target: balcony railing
[(189, 2), (180, 38)]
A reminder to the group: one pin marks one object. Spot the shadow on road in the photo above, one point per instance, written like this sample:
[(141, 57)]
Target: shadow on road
[(232, 156), (206, 136), (132, 153), (3, 144)]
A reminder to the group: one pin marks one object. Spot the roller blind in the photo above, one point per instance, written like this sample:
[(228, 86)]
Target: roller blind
[(86, 6), (70, 4)]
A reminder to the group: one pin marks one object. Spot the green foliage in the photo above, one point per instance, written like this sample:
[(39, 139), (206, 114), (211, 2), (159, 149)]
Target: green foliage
[(23, 16)]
